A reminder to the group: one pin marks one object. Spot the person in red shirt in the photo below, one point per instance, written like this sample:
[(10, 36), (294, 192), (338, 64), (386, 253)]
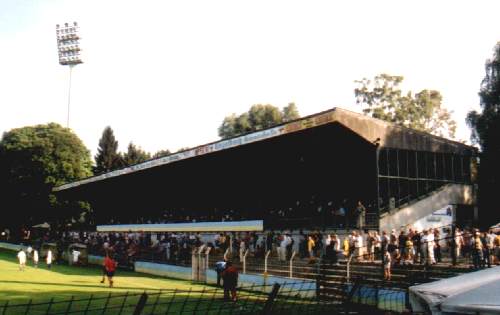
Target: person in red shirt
[(230, 277), (110, 266)]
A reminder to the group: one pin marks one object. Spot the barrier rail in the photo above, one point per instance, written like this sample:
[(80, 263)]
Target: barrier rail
[(265, 261), (285, 298), (291, 263)]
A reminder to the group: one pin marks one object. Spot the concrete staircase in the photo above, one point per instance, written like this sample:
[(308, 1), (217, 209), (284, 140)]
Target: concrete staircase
[(449, 194)]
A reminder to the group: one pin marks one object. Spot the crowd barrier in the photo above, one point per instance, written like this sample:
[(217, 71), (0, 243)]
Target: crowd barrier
[(9, 246), (307, 287)]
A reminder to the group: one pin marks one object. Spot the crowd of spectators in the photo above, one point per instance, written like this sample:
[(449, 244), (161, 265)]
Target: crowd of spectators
[(311, 211), (407, 246)]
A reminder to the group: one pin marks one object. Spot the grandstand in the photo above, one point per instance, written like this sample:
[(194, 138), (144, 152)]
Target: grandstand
[(261, 200), (306, 174)]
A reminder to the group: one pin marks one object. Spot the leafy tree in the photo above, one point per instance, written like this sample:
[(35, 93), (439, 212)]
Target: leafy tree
[(135, 155), (485, 126), (107, 157), (161, 153), (257, 118), (290, 112), (382, 98), (32, 161)]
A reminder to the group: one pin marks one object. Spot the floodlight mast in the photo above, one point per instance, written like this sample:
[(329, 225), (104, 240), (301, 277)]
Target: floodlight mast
[(68, 47)]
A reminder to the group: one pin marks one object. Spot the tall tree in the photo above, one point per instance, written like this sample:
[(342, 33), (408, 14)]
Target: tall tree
[(32, 161), (257, 118), (382, 98), (161, 153), (290, 112), (485, 126), (107, 157), (135, 155)]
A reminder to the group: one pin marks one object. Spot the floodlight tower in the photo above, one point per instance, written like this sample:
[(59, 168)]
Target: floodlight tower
[(68, 47)]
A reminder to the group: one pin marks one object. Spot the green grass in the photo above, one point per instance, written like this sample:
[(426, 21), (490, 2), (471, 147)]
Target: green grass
[(64, 282)]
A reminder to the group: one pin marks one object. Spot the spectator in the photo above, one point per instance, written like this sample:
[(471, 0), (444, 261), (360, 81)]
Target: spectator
[(302, 245), (49, 258), (370, 246), (35, 258), (75, 253), (490, 247), (361, 214), (416, 240), (110, 265), (477, 254), (497, 248), (402, 238), (230, 278), (384, 242), (21, 256), (332, 249), (358, 246), (437, 245), (310, 248), (29, 250), (428, 242), (220, 266), (387, 266), (378, 245)]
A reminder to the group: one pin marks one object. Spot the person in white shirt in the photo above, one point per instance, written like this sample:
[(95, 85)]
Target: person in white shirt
[(378, 246), (490, 248), (49, 258), (387, 265), (35, 258), (22, 259), (75, 254), (358, 246), (328, 239), (428, 240), (29, 250), (285, 240)]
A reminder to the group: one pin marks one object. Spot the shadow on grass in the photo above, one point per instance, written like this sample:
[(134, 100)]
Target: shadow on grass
[(196, 302)]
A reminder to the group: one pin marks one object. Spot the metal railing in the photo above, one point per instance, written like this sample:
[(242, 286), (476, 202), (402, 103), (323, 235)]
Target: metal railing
[(286, 298)]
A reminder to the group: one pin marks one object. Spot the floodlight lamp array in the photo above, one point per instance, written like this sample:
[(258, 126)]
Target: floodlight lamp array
[(68, 44)]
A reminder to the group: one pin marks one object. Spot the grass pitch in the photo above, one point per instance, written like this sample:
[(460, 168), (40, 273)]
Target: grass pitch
[(63, 282)]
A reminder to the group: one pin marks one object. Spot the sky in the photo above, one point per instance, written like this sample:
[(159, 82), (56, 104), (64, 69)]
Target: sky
[(164, 74)]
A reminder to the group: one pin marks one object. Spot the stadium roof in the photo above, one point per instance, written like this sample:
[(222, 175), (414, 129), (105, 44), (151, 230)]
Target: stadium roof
[(373, 130)]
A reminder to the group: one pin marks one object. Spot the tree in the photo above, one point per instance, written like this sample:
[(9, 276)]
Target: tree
[(32, 161), (290, 112), (161, 153), (257, 118), (107, 157), (382, 98), (135, 155), (485, 128)]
